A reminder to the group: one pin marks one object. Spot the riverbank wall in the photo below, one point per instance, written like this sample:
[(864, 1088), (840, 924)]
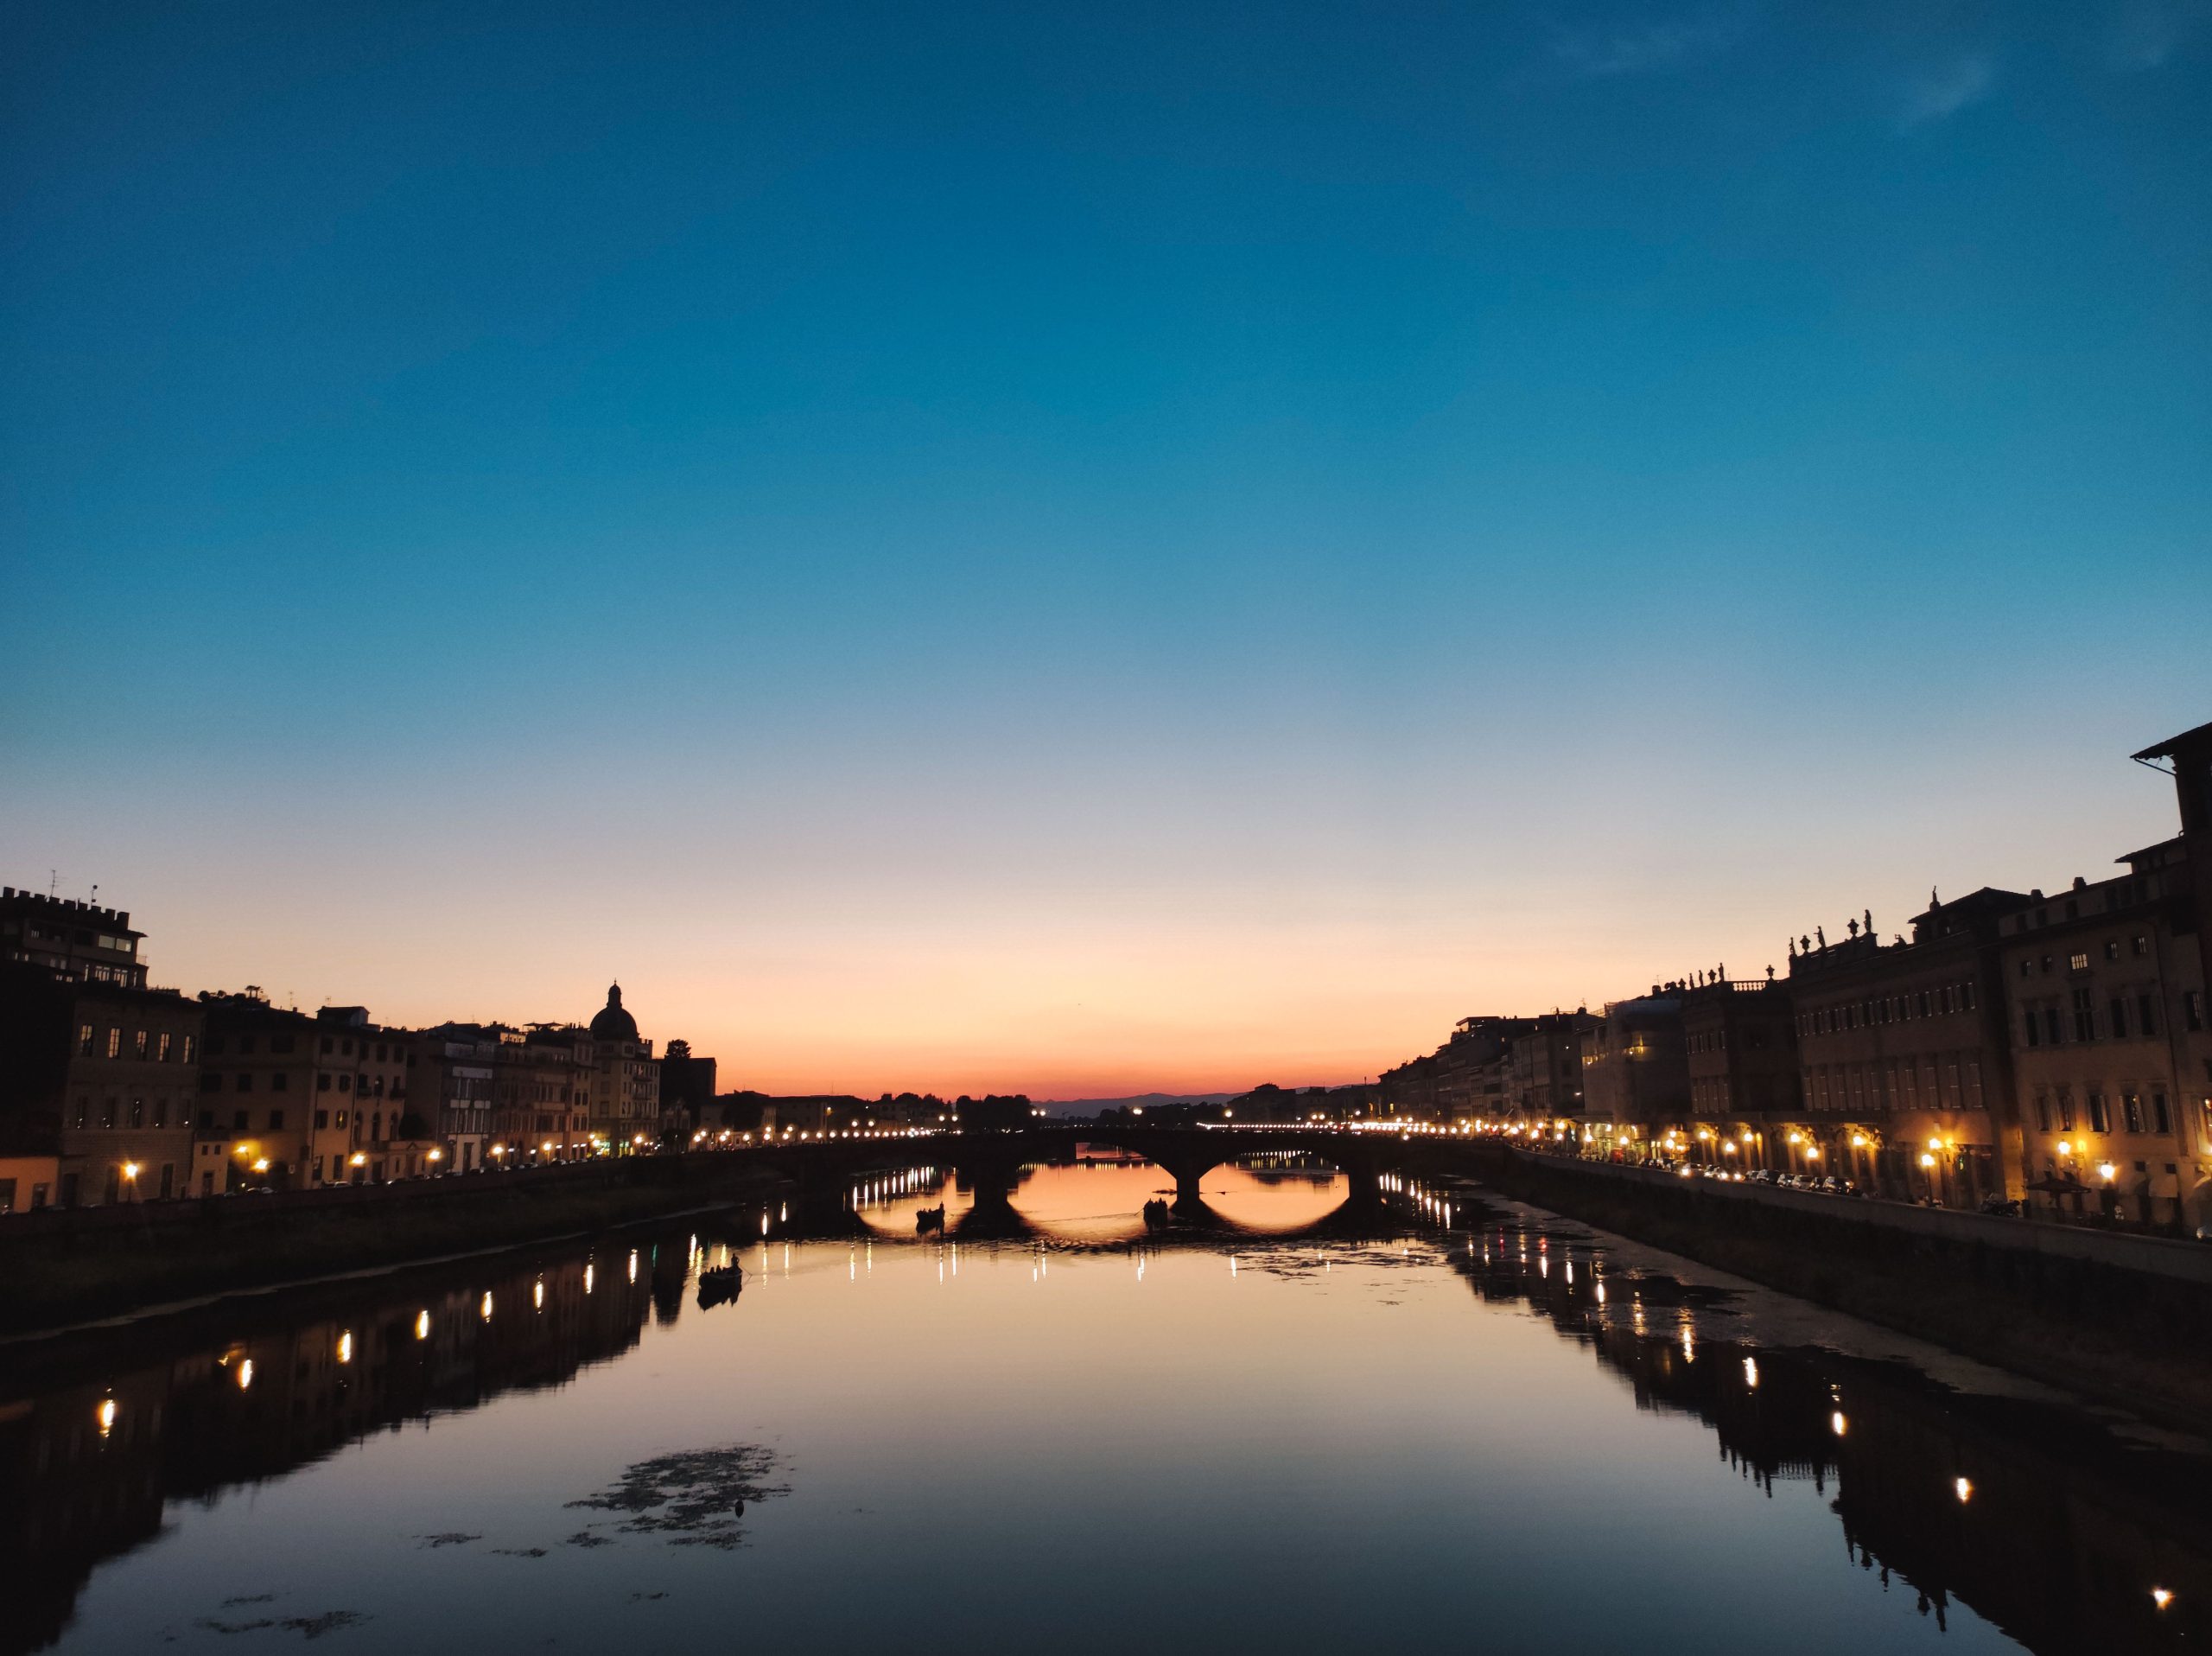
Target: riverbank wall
[(59, 1268), (2125, 1320)]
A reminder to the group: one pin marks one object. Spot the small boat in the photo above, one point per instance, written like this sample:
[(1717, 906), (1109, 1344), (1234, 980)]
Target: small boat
[(720, 1285), (929, 1219), (1155, 1214)]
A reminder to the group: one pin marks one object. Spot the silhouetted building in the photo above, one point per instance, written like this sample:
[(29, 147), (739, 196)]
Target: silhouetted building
[(78, 940), (687, 1088)]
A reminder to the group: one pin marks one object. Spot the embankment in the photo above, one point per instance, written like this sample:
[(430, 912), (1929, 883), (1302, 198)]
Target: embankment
[(2119, 1319), (59, 1268)]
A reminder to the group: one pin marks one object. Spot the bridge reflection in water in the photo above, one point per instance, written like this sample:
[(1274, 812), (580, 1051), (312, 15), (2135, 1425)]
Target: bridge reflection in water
[(1100, 1196), (2031, 1515)]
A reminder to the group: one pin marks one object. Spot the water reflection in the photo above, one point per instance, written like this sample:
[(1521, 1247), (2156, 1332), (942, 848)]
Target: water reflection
[(88, 1465), (1098, 1197), (1009, 1412), (2049, 1527)]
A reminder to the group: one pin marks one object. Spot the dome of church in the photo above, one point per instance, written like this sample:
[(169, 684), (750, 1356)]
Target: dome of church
[(612, 1024)]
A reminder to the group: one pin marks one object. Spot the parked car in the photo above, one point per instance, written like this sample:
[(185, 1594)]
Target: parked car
[(2003, 1208)]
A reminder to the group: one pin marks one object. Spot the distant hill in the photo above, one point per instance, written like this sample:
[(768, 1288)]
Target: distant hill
[(1144, 1100)]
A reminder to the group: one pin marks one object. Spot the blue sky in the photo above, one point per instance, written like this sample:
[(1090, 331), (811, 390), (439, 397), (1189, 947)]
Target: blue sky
[(1082, 548)]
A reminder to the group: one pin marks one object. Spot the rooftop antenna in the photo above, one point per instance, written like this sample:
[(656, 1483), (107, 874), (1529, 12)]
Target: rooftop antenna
[(52, 880), (95, 899)]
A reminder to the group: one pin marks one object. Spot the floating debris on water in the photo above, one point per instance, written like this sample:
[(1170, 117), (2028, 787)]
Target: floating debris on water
[(449, 1538), (307, 1627), (695, 1497)]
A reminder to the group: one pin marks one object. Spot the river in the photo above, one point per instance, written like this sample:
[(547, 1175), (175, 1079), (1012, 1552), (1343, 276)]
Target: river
[(1278, 1424)]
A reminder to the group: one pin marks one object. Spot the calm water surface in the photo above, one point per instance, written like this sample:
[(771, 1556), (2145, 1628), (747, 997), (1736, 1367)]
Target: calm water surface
[(1279, 1425)]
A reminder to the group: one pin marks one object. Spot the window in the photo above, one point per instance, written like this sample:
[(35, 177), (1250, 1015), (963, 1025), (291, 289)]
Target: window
[(138, 1042), (2192, 1008), (2161, 1121), (2052, 1027), (321, 1120), (2077, 963), (2085, 1020), (2100, 1117), (323, 1082), (245, 1045), (138, 1112), (1966, 997), (2065, 1110), (2130, 1111), (1924, 1002), (2043, 1113), (2118, 1013), (85, 1040), (160, 1112), (345, 1084), (2112, 948), (245, 1080), (2046, 965), (326, 1043), (342, 1118), (162, 1054), (238, 1121), (189, 1043), (114, 1042), (214, 1045), (2146, 1022), (207, 1120), (280, 1043), (2024, 965), (2034, 1031), (276, 1121), (2141, 946)]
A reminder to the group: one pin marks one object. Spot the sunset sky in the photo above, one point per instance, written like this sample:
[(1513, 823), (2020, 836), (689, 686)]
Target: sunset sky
[(1085, 549)]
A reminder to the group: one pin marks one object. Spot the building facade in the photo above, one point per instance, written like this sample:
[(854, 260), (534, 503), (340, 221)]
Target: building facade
[(1740, 1048), (97, 1084), (2110, 1048), (543, 1079), (625, 1110), (1543, 1069), (456, 1066), (1905, 1058), (292, 1101), (1635, 1081)]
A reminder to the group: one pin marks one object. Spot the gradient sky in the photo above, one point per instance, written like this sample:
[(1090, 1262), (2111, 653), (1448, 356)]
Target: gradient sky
[(1081, 548)]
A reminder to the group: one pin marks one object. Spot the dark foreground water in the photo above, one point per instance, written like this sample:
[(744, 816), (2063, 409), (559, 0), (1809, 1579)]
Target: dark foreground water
[(1280, 1426)]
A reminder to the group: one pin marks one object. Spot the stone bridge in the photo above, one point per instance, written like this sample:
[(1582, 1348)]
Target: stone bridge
[(991, 1163)]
